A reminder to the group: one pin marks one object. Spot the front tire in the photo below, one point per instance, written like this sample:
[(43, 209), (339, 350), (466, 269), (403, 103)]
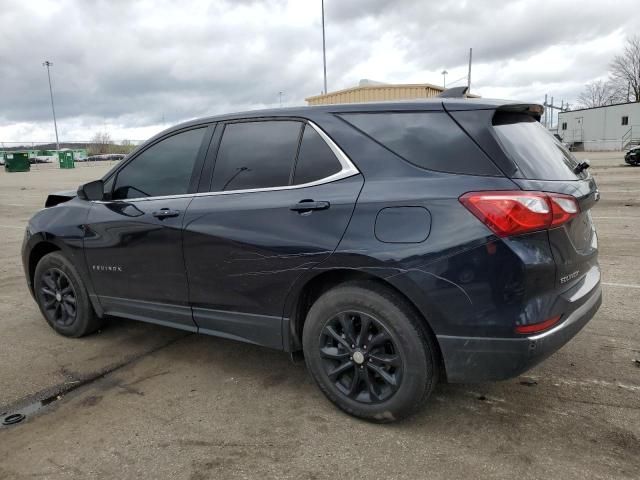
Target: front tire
[(62, 297), (369, 353)]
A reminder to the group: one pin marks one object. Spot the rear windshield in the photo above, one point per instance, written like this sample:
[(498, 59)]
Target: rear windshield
[(536, 152)]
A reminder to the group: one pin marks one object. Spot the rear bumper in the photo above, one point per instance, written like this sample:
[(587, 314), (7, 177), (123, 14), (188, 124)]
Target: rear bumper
[(479, 359)]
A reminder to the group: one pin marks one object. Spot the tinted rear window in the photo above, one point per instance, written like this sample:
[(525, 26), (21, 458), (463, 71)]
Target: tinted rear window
[(315, 160), (538, 155), (430, 140)]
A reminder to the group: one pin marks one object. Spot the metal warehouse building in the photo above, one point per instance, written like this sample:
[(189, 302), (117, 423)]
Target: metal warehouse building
[(369, 91), (612, 127)]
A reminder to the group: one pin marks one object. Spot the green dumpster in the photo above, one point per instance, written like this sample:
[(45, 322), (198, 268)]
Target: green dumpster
[(66, 159), (17, 162)]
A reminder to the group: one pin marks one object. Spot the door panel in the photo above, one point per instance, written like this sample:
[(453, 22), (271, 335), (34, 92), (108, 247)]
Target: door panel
[(135, 259), (243, 251)]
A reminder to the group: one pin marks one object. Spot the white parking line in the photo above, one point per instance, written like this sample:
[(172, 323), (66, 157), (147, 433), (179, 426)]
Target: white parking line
[(13, 226), (616, 218), (626, 285)]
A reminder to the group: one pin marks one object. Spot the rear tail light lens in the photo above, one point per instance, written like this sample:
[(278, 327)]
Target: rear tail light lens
[(511, 213)]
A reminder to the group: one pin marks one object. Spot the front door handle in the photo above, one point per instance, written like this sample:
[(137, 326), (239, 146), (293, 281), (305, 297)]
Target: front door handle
[(165, 213), (308, 205)]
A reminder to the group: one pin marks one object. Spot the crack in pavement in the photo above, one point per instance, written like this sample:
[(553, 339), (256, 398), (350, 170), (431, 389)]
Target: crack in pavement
[(53, 393)]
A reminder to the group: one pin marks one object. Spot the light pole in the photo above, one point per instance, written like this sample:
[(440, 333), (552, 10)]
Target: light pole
[(324, 52), (444, 78), (48, 64), (280, 95)]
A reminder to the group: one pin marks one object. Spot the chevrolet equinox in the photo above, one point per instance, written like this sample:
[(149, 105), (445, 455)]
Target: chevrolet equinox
[(392, 244)]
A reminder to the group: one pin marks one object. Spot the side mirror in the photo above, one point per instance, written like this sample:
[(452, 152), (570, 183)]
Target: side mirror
[(92, 190)]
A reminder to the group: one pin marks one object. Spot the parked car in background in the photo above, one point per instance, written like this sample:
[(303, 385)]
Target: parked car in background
[(632, 157), (45, 159), (392, 244), (105, 157)]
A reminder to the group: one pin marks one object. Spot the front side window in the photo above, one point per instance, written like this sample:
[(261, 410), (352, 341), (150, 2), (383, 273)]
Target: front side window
[(315, 159), (256, 155), (162, 169)]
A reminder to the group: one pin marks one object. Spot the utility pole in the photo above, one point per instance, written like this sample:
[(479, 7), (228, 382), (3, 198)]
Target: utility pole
[(324, 51), (444, 78), (549, 108), (469, 74), (48, 64), (280, 95)]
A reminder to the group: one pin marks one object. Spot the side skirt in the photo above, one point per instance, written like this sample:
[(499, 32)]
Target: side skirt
[(264, 330), (174, 316)]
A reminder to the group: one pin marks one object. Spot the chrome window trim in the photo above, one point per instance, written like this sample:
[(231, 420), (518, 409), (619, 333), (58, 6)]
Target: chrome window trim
[(348, 170)]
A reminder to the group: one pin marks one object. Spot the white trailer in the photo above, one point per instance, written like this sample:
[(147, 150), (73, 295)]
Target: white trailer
[(612, 127)]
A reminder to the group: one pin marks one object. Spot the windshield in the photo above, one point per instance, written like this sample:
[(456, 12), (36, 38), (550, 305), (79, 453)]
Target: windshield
[(538, 155)]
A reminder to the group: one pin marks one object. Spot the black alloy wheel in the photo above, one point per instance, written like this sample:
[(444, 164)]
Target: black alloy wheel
[(62, 297), (360, 357), (369, 351), (59, 297)]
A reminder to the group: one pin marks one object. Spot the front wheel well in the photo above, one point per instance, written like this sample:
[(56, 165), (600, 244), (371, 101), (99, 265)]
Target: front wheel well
[(332, 278), (39, 251)]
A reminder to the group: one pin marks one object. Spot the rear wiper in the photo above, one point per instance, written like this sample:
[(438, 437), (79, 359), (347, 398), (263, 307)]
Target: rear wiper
[(581, 167)]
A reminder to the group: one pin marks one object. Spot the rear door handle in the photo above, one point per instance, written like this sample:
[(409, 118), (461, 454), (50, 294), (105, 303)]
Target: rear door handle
[(165, 213), (308, 205)]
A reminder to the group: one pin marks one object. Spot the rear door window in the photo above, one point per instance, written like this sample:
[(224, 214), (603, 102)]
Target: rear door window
[(538, 155), (430, 140), (256, 155)]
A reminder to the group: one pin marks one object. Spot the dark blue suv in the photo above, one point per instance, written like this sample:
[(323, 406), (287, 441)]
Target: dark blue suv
[(392, 244)]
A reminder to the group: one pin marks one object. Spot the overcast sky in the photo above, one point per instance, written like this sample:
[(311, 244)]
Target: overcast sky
[(124, 66)]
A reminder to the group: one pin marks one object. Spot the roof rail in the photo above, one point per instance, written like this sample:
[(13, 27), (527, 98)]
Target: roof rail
[(455, 92)]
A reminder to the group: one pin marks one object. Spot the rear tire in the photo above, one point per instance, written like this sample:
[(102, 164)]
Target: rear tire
[(369, 353), (62, 297)]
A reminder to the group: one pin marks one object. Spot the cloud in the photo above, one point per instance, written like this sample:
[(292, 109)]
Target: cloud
[(126, 66)]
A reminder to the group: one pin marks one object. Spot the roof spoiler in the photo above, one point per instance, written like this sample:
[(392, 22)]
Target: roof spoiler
[(533, 109), (455, 92)]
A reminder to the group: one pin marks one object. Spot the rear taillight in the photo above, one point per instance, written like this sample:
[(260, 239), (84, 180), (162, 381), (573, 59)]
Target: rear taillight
[(514, 212)]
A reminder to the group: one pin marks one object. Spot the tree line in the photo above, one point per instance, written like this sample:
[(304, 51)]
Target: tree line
[(623, 84), (101, 143)]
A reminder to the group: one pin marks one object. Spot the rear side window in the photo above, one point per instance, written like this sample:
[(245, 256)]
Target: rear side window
[(256, 155), (430, 140), (315, 159), (162, 169), (536, 152)]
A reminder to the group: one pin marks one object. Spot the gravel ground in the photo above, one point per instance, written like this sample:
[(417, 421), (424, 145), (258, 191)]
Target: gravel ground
[(146, 401)]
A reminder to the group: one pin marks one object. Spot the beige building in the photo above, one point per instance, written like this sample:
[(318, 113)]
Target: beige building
[(368, 91)]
